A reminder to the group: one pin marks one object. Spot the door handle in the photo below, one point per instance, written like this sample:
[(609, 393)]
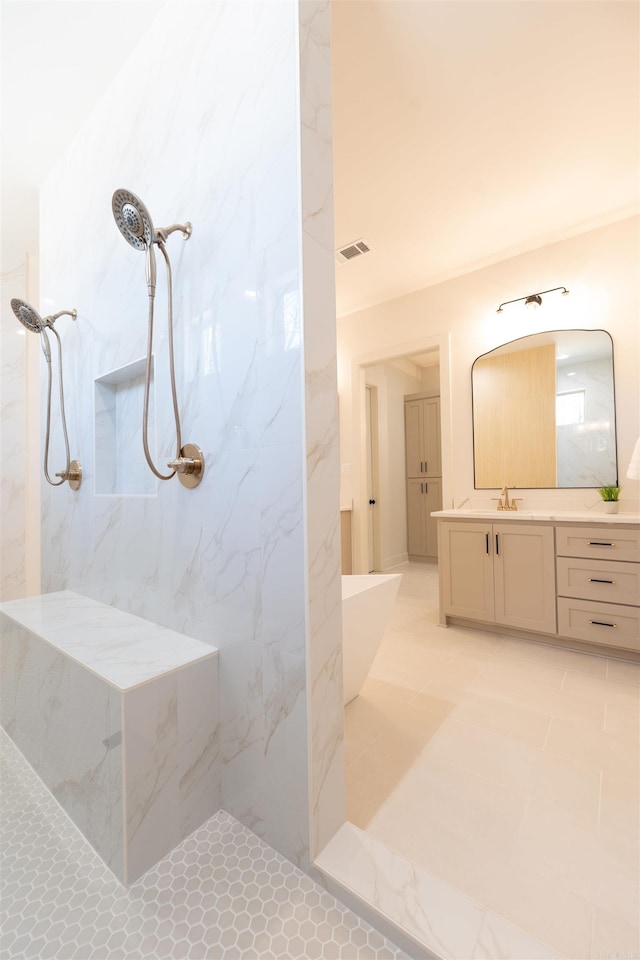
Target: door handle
[(421, 466), (596, 580), (486, 544), (422, 488), (426, 488), (371, 502), (497, 546)]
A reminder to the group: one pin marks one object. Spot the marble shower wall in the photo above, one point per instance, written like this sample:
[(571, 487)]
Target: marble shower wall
[(204, 124), (12, 447)]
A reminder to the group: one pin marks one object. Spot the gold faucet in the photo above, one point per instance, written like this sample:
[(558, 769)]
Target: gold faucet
[(507, 504)]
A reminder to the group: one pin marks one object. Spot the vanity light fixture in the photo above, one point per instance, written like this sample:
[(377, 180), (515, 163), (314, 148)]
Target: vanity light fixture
[(533, 300)]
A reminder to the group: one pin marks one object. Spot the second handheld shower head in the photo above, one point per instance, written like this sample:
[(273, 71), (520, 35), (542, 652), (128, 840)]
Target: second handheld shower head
[(29, 317), (32, 320)]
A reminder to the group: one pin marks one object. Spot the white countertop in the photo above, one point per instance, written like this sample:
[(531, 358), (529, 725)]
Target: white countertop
[(557, 516), (122, 649)]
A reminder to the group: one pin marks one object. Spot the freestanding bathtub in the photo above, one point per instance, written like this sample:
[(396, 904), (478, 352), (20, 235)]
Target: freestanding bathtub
[(367, 601)]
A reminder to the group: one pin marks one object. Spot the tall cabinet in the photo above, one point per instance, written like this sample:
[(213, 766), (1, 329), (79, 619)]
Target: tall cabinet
[(424, 474)]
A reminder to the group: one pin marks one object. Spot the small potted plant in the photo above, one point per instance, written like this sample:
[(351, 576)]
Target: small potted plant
[(610, 495)]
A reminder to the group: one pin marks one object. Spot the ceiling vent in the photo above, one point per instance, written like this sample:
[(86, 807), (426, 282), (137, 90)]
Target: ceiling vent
[(352, 250)]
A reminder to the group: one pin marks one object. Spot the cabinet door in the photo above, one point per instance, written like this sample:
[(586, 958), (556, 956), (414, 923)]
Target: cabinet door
[(466, 570), (431, 437), (413, 430), (416, 542), (524, 576), (432, 500)]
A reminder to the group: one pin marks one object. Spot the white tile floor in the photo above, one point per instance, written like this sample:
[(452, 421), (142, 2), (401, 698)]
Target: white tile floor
[(507, 768), (221, 895)]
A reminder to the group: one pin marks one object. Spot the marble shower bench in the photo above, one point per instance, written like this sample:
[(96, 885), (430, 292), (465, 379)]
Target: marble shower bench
[(119, 717)]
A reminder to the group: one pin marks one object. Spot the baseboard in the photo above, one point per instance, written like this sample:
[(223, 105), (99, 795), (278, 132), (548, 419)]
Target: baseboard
[(391, 562)]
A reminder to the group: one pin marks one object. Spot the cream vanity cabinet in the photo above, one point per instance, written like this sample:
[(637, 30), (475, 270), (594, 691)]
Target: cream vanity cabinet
[(498, 573), (598, 573), (518, 573)]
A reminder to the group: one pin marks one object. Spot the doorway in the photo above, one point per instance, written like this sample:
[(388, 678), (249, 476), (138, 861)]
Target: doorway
[(388, 488)]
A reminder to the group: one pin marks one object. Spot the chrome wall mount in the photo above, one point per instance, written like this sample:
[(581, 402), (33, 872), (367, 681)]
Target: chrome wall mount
[(31, 319), (134, 223)]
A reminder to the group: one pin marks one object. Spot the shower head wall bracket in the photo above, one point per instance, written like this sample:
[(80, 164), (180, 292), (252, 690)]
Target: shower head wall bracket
[(162, 233)]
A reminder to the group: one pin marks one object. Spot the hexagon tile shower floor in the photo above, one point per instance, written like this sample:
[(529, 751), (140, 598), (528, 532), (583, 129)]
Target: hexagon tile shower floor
[(221, 894)]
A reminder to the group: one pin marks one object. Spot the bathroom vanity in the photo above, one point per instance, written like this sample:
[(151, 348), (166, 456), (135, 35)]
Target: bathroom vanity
[(570, 577)]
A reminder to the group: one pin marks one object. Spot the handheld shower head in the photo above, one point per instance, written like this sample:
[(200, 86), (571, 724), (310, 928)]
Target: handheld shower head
[(134, 223), (136, 226), (32, 320), (29, 317), (133, 219)]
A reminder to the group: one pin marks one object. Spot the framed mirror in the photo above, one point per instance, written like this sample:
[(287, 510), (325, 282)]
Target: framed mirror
[(544, 412)]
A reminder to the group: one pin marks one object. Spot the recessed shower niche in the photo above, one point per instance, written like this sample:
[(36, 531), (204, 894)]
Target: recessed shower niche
[(120, 464)]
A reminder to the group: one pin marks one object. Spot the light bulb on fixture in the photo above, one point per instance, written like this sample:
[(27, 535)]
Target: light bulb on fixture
[(533, 300)]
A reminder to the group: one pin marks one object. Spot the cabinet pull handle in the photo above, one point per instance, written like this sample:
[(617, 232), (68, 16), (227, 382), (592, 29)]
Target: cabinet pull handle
[(600, 543), (426, 464), (422, 488), (426, 488), (596, 580), (486, 544), (497, 546), (601, 623)]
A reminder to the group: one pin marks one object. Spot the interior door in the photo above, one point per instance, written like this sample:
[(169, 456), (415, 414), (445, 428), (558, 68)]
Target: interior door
[(371, 493), (413, 430)]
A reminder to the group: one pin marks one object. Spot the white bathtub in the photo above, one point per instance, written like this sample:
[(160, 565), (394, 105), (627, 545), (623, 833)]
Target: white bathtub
[(367, 602)]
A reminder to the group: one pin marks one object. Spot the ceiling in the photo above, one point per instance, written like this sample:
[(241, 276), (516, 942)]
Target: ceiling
[(465, 131)]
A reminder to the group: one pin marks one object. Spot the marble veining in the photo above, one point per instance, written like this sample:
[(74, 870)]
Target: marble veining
[(123, 649), (243, 563), (136, 767), (442, 920)]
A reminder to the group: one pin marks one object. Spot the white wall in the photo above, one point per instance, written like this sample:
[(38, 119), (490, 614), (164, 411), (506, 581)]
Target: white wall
[(600, 268), (222, 117), (393, 382)]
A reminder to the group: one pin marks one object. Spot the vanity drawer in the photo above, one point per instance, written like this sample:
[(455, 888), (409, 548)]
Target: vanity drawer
[(598, 543), (599, 580), (607, 623)]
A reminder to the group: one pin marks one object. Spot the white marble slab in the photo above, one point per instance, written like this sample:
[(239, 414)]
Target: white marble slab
[(442, 920), (136, 769), (555, 516), (122, 649)]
